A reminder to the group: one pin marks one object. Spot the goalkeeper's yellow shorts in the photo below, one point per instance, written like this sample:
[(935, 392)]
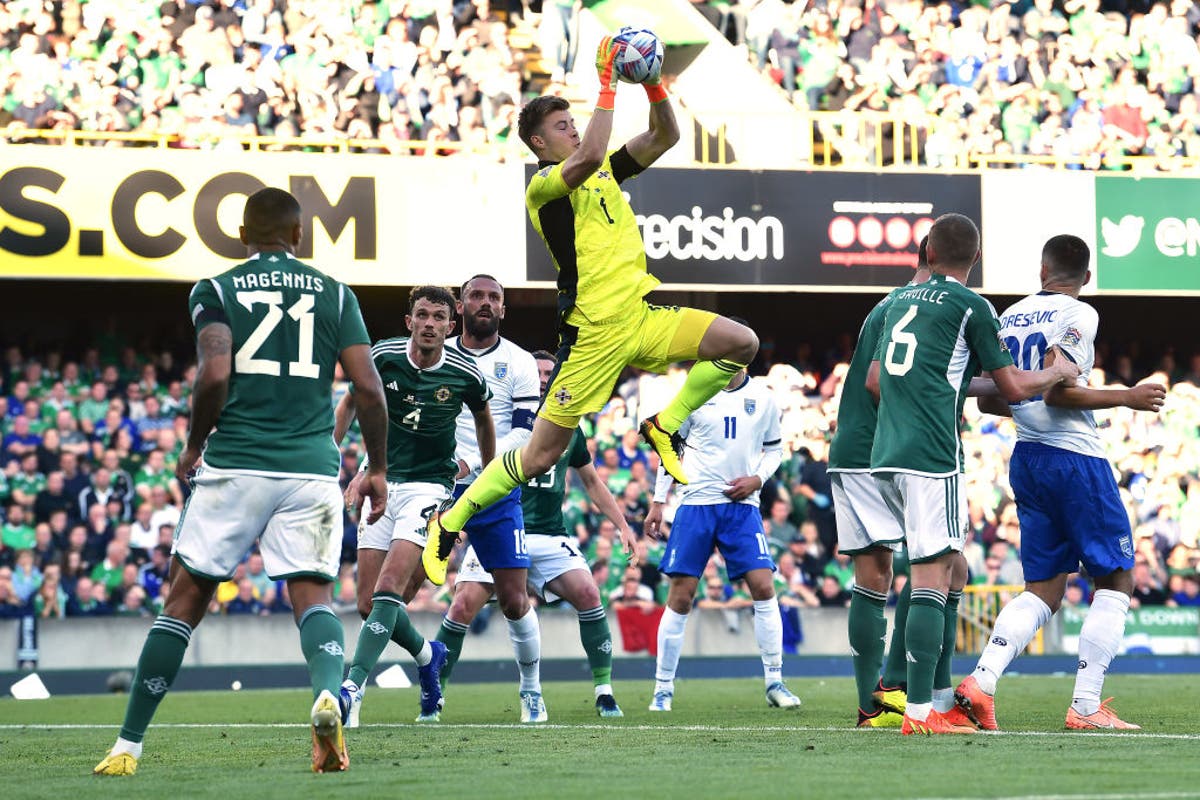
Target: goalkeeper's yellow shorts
[(591, 357)]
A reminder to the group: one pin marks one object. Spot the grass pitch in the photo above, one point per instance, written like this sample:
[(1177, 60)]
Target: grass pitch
[(721, 741)]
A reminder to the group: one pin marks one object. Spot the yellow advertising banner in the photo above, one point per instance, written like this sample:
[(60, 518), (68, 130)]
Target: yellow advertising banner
[(161, 214)]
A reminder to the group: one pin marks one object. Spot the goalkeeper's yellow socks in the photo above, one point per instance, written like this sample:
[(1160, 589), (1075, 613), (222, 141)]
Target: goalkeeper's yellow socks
[(498, 478), (704, 380)]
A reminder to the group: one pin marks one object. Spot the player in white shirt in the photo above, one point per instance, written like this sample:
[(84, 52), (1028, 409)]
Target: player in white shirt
[(495, 532), (733, 447), (1068, 503)]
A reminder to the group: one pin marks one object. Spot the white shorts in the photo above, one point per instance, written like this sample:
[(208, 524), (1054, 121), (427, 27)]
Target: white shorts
[(549, 558), (297, 522), (408, 508), (933, 512), (863, 520)]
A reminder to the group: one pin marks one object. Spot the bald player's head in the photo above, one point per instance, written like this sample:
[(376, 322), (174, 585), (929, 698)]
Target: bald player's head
[(271, 219)]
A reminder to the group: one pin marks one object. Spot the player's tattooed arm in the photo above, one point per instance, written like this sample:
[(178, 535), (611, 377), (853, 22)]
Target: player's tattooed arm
[(214, 348)]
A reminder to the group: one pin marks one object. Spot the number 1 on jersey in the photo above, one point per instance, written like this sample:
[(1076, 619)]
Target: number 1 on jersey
[(730, 427)]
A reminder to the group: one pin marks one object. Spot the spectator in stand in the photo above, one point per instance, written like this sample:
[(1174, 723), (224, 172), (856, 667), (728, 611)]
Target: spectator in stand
[(152, 575), (111, 569), (246, 601), (164, 513), (26, 484), (11, 605), (26, 577), (133, 603), (53, 497), (20, 441), (1145, 591), (832, 595), (50, 602), (1186, 591), (16, 533), (143, 535), (154, 474)]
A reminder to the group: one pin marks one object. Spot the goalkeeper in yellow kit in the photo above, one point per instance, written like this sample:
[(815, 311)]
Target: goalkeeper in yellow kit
[(575, 203)]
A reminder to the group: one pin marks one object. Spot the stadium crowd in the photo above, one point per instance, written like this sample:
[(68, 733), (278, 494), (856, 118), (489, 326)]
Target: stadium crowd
[(90, 499), (209, 72), (1087, 79), (1083, 79)]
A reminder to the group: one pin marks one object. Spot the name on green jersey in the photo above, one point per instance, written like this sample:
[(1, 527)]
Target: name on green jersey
[(924, 294), (279, 278)]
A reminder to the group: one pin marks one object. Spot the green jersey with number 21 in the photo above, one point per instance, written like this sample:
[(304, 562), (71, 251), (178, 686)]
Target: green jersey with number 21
[(936, 336), (289, 323)]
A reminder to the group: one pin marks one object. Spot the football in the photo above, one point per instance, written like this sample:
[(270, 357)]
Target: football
[(641, 55)]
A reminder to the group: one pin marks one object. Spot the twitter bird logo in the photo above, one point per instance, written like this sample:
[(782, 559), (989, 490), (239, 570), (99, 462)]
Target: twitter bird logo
[(1121, 238)]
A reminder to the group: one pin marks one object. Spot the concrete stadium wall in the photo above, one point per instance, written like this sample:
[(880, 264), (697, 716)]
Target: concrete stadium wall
[(116, 642)]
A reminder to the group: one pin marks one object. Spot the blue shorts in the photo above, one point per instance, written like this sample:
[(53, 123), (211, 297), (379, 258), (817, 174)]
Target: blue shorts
[(1070, 511), (498, 533), (733, 528)]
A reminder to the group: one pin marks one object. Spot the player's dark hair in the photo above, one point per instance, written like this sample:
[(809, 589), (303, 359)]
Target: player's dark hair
[(438, 295), (544, 355), (923, 253), (954, 241), (462, 290), (1067, 257), (269, 216), (529, 121)]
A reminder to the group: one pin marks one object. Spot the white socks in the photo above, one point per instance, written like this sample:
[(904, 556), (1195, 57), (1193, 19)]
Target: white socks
[(1099, 641), (1015, 628), (768, 630), (526, 639), (125, 746), (670, 642), (918, 711), (943, 700), (426, 654)]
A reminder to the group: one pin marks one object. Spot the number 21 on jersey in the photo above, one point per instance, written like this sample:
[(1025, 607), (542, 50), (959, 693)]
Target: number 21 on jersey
[(245, 360)]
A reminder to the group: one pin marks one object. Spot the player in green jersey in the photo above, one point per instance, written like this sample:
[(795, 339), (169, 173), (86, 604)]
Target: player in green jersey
[(556, 564), (867, 531), (269, 333), (427, 385), (936, 336)]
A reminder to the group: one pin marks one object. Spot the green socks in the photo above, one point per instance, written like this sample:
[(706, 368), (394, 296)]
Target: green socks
[(375, 634), (895, 671), (499, 477), (322, 642), (162, 654), (597, 643), (451, 634), (942, 678), (923, 642), (868, 630), (704, 380)]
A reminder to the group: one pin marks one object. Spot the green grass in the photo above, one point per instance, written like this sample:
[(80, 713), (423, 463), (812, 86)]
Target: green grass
[(721, 741)]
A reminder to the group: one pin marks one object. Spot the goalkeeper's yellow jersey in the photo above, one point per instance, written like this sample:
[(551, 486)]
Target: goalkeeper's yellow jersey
[(593, 238)]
